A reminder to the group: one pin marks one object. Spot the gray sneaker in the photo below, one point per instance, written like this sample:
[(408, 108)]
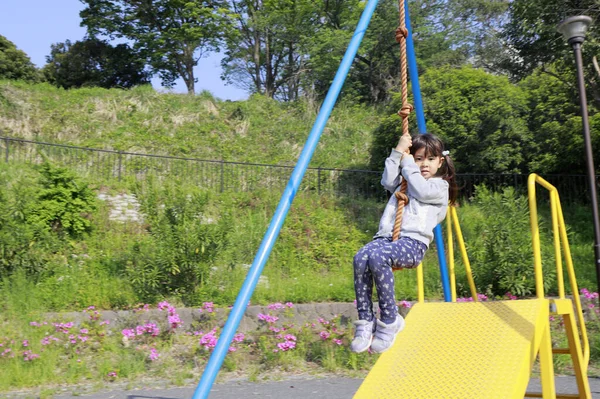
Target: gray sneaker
[(386, 334), (363, 336)]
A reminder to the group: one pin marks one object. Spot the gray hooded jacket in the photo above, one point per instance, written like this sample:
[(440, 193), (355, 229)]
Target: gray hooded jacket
[(428, 200)]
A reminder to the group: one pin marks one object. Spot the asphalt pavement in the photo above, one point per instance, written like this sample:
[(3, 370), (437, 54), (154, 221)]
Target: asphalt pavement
[(331, 387)]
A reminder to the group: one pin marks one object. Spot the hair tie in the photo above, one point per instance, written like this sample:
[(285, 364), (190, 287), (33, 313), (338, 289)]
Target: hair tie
[(445, 153)]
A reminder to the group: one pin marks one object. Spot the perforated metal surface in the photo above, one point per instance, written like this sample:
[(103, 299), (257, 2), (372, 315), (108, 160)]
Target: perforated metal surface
[(460, 351)]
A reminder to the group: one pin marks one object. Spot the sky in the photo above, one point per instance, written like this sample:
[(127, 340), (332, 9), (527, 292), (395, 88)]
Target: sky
[(33, 25)]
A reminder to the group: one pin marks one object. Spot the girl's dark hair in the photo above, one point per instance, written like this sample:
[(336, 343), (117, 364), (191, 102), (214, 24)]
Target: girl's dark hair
[(434, 147)]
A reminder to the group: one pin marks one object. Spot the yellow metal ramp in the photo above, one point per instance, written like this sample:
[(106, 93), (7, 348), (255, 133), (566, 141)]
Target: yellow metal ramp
[(473, 350)]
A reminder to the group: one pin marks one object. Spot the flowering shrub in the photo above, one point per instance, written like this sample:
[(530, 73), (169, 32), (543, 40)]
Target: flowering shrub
[(90, 348)]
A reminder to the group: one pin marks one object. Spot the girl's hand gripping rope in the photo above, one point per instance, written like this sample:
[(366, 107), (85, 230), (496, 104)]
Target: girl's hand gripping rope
[(404, 144)]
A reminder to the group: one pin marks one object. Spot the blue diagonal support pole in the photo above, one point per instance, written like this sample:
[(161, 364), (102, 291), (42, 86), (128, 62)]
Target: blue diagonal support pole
[(413, 73), (216, 359)]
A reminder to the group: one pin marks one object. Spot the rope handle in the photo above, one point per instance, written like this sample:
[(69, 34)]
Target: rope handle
[(404, 112)]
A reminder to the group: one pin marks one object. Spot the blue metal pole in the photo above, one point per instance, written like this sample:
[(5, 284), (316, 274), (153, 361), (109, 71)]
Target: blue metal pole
[(418, 103), (216, 359)]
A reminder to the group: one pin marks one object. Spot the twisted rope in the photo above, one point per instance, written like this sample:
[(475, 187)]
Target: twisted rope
[(404, 112), (402, 202), (401, 34)]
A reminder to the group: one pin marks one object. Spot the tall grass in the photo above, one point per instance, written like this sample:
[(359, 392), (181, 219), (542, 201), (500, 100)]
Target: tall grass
[(142, 120)]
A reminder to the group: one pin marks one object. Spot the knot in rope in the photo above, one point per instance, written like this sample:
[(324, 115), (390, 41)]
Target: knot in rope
[(405, 110), (401, 34), (402, 198)]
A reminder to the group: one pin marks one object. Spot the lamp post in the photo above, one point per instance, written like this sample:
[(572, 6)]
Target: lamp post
[(573, 30)]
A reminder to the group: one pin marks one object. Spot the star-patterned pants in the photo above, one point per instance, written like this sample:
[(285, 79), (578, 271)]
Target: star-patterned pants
[(374, 262)]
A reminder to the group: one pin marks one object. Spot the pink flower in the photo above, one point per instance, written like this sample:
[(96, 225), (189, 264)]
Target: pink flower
[(405, 304), (276, 306), (510, 296), (268, 318), (290, 337), (63, 327), (153, 354), (208, 307), (289, 305), (25, 343), (287, 345), (7, 353), (238, 337), (589, 295), (129, 333), (337, 341), (324, 335), (175, 321), (144, 308), (209, 340), (46, 340), (28, 356), (84, 331)]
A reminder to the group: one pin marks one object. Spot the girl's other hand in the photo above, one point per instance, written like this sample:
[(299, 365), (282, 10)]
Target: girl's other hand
[(404, 144)]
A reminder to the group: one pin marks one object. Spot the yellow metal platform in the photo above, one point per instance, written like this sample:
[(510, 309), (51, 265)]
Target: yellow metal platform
[(475, 350)]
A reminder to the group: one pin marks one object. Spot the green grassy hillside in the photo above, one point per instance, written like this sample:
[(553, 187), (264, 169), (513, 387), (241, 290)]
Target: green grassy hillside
[(143, 120)]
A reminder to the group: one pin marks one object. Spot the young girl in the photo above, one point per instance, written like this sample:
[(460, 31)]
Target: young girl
[(429, 172)]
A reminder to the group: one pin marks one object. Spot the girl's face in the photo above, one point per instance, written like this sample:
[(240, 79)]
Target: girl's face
[(429, 165)]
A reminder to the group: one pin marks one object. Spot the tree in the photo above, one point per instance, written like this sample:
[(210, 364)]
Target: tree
[(171, 35), (267, 56), (531, 32), (14, 63), (453, 32), (444, 33), (479, 116), (292, 47), (555, 123), (94, 63)]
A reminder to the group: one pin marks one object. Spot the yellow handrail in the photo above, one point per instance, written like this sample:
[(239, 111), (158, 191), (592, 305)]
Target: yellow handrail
[(560, 236), (450, 254), (452, 219)]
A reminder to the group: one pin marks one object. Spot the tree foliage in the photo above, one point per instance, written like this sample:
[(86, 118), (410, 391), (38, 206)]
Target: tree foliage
[(269, 56), (171, 35), (501, 251), (94, 63), (480, 117), (555, 122), (531, 32), (64, 203), (175, 258), (14, 63), (455, 32), (294, 47)]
